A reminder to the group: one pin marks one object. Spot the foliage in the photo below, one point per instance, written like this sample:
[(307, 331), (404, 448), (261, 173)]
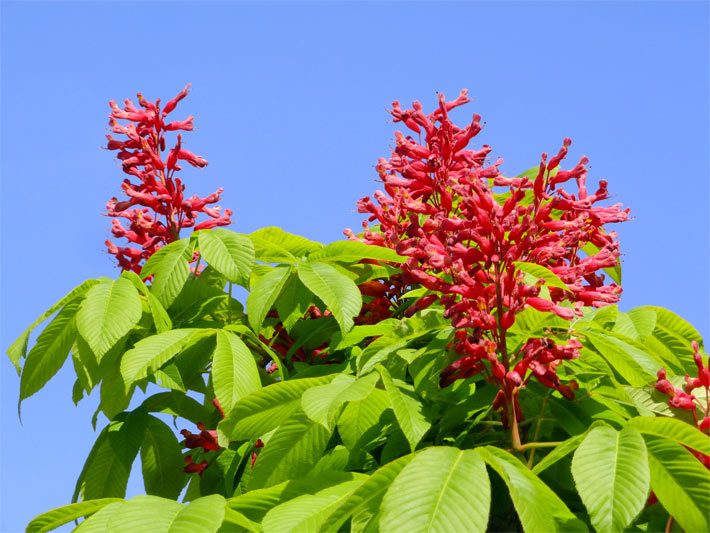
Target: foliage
[(382, 382)]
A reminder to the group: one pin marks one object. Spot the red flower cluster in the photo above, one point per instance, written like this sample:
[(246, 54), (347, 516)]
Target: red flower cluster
[(205, 439), (464, 227), (684, 399), (163, 210)]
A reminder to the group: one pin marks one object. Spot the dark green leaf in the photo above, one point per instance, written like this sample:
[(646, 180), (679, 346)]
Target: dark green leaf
[(161, 460)]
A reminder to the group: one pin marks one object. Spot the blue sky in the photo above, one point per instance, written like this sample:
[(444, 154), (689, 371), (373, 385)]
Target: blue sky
[(290, 104)]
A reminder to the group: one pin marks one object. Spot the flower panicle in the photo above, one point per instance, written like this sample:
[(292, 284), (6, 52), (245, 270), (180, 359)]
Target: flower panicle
[(442, 209), (155, 208)]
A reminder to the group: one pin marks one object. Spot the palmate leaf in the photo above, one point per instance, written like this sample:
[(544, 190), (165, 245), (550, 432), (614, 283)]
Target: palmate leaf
[(538, 507), (637, 367), (266, 409), (176, 404), (540, 272), (274, 245), (98, 522), (256, 503), (151, 353), (170, 268), (161, 319), (203, 514), (442, 489), (47, 356), (63, 515), (293, 302), (407, 408), (673, 429), (159, 515), (322, 404), (353, 252), (107, 313), (264, 292), (308, 512), (368, 496), (234, 371), (18, 349), (161, 460), (292, 451), (106, 470), (229, 253), (359, 417), (637, 324), (611, 474), (145, 513), (337, 291), (681, 483)]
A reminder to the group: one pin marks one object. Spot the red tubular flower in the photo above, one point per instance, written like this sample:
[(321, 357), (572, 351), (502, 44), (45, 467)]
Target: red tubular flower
[(192, 467), (206, 439), (156, 210), (440, 208), (682, 399)]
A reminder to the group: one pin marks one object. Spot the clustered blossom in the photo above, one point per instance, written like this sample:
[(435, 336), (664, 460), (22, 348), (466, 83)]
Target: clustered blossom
[(156, 208), (205, 439), (683, 398), (443, 209)]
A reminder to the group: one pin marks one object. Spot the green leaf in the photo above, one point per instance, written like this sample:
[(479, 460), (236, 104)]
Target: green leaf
[(234, 371), (63, 515), (611, 473), (540, 272), (98, 522), (256, 503), (176, 404), (308, 512), (109, 311), (115, 396), (106, 470), (338, 292), (170, 267), (294, 301), (264, 292), (151, 353), (637, 324), (636, 366), (291, 452), (407, 408), (229, 253), (674, 324), (367, 495), (203, 514), (673, 429), (274, 245), (353, 252), (358, 418), (538, 507), (236, 518), (264, 410), (144, 513), (442, 489), (681, 483), (322, 404), (161, 319), (161, 460), (47, 356), (18, 349), (558, 453)]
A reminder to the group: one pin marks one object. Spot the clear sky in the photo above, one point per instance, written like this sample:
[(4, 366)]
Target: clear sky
[(290, 104)]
